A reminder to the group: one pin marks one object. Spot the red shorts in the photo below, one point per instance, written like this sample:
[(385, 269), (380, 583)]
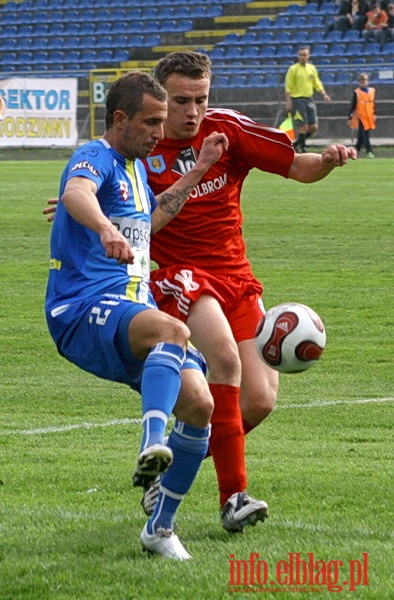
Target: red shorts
[(176, 288)]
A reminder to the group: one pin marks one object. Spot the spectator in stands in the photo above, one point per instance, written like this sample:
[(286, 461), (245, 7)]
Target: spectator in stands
[(377, 20), (386, 34), (302, 81), (351, 15), (362, 113)]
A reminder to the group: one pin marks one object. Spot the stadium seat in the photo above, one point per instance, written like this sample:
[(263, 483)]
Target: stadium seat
[(354, 49), (372, 48), (120, 55), (282, 37), (237, 80), (334, 36), (256, 80), (233, 52), (342, 77), (285, 51), (320, 50), (267, 52), (316, 37), (292, 9), (299, 37), (327, 77), (220, 80), (309, 9), (250, 51), (315, 22), (249, 37), (298, 22), (264, 37), (271, 80), (388, 48), (263, 23), (351, 35), (337, 49), (281, 22), (217, 52)]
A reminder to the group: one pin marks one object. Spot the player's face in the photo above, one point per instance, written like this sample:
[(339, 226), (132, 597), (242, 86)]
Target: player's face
[(139, 135), (187, 103)]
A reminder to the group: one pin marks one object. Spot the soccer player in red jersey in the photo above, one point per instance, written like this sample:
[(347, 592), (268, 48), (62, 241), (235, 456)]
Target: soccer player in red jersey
[(204, 276)]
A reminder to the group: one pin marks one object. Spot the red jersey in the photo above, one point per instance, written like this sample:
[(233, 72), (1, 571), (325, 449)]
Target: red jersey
[(207, 233)]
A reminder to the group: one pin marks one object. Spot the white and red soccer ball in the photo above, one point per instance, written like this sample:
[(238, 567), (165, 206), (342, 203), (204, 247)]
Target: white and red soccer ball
[(290, 337)]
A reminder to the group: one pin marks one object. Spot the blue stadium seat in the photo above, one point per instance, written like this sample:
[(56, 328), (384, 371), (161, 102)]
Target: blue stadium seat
[(337, 49), (55, 57), (292, 9), (263, 23), (267, 52), (327, 77), (256, 80), (249, 37), (320, 50), (388, 48), (354, 49), (237, 80), (315, 37), (87, 28), (334, 36), (233, 52), (282, 37), (372, 48), (281, 22), (315, 21), (351, 35), (250, 51), (310, 8), (298, 22), (220, 80), (120, 55), (342, 77), (264, 37), (217, 52), (285, 51), (299, 37)]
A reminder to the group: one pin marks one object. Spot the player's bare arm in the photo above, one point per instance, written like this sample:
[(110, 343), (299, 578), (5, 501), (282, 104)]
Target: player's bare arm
[(171, 201), (310, 167), (81, 203)]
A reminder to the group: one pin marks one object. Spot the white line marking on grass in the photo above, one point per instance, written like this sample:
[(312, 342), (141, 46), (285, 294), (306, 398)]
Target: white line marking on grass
[(63, 428), (335, 403), (115, 422)]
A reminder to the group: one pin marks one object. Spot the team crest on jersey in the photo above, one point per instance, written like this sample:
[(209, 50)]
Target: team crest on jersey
[(185, 161), (156, 163), (124, 190)]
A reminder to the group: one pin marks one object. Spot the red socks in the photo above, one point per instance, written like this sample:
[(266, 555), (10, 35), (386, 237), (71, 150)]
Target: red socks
[(227, 440)]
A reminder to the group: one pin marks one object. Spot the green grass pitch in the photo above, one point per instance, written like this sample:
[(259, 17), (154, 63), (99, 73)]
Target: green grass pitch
[(69, 518)]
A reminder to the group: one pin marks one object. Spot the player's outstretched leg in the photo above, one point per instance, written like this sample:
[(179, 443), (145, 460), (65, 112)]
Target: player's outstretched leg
[(189, 445)]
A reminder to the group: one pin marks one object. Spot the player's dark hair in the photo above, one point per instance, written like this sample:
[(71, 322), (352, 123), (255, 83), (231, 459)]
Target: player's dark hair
[(126, 94), (195, 65)]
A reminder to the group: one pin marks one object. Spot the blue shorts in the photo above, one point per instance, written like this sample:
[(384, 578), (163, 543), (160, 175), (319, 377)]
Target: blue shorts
[(93, 334)]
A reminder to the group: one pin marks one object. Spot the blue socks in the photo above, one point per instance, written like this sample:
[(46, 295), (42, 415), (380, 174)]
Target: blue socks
[(160, 385), (189, 445)]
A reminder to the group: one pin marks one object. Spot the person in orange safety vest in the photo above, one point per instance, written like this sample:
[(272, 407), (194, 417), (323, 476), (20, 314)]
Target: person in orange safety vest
[(362, 113)]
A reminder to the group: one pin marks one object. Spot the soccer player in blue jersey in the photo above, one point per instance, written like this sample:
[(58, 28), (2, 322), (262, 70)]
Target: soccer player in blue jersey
[(99, 308)]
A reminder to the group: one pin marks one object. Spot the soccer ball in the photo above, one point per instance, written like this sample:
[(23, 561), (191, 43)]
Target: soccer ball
[(290, 337)]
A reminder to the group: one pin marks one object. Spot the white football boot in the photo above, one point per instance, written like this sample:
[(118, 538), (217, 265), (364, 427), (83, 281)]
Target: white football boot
[(242, 510), (163, 542)]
